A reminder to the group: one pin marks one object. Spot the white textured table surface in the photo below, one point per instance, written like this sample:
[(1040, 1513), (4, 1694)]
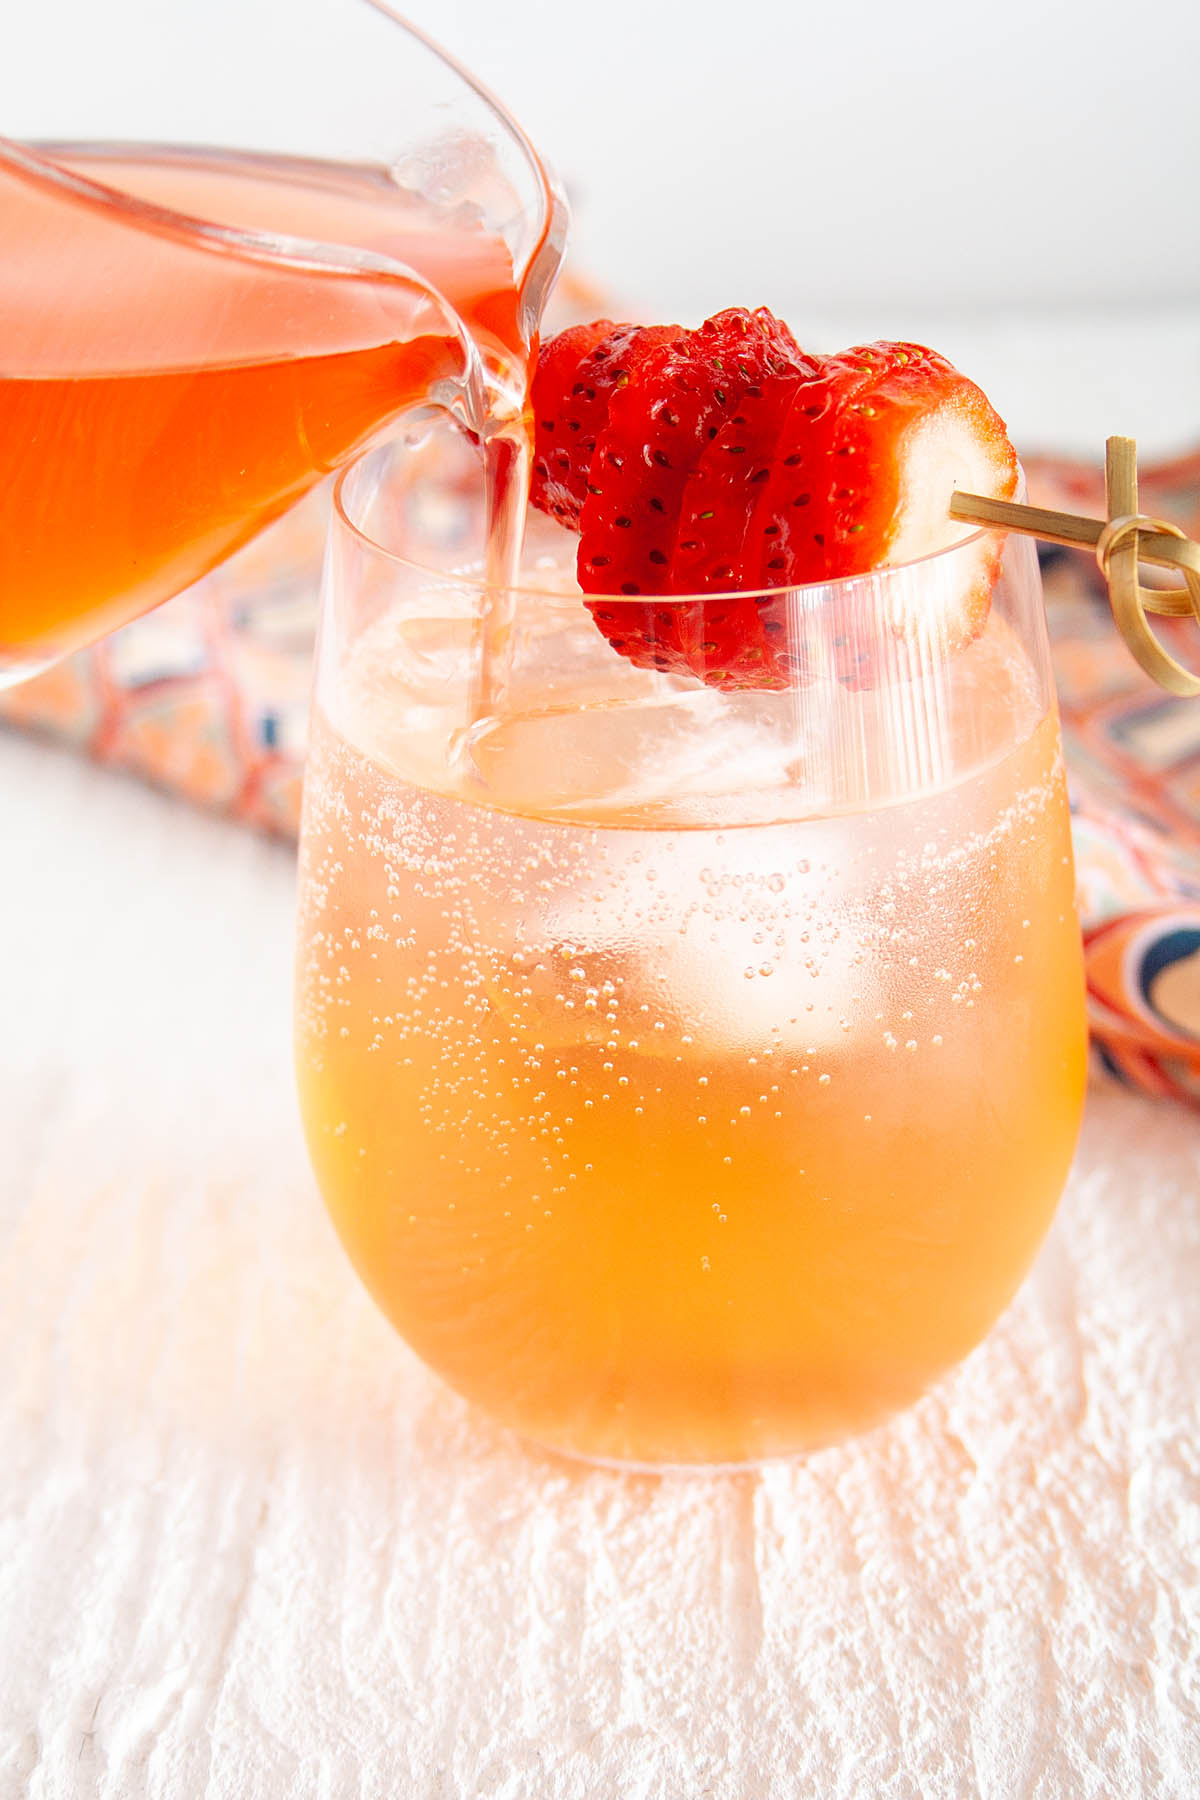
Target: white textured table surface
[(248, 1547)]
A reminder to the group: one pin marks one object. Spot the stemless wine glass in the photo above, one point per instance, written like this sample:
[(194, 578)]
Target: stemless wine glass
[(690, 1075), (240, 237)]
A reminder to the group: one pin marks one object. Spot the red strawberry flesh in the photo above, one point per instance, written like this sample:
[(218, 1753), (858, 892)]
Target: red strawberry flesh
[(577, 374), (678, 400)]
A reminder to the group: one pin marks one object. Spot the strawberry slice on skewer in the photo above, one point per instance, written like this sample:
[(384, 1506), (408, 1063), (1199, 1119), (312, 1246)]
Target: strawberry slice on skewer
[(862, 480), (727, 462), (671, 490)]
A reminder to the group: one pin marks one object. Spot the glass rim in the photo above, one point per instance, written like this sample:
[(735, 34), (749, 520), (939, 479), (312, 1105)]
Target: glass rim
[(480, 585), (35, 159)]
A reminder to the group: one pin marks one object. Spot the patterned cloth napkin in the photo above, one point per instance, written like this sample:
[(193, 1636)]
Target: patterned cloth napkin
[(209, 695)]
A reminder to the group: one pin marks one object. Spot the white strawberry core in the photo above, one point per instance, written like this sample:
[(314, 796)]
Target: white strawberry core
[(948, 448)]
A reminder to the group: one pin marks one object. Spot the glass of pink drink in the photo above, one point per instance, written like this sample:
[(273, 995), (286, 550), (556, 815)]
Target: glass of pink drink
[(690, 1075)]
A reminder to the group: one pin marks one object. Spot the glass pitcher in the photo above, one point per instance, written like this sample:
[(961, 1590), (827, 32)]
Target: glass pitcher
[(270, 232)]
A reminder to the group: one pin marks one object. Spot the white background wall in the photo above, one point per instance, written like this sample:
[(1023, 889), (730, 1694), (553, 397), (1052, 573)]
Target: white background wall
[(923, 168), (819, 154), (835, 153)]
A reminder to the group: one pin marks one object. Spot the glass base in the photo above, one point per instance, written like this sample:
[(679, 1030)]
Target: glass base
[(747, 1465), (619, 1465)]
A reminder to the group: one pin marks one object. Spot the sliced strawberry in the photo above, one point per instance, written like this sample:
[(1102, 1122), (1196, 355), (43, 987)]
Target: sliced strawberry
[(731, 640), (788, 528), (675, 403), (900, 441), (671, 494), (559, 479), (714, 550), (886, 434), (726, 460), (577, 373), (864, 467)]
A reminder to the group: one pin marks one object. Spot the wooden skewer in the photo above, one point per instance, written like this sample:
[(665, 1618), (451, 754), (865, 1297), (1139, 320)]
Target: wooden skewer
[(1071, 529), (1122, 541)]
